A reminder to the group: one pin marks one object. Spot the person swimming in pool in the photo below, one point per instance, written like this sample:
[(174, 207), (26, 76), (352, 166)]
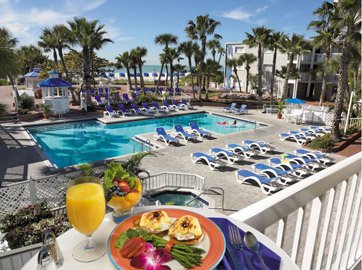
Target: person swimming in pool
[(225, 123)]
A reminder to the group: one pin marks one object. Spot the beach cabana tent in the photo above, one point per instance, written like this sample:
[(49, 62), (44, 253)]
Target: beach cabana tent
[(122, 74), (145, 74), (55, 93)]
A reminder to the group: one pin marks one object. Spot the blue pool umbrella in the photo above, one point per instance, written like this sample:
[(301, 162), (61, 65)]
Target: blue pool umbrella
[(145, 74), (181, 74), (294, 101), (154, 74), (122, 74), (131, 74), (163, 74)]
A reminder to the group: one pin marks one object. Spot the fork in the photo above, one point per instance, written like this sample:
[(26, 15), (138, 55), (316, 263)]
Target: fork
[(237, 241)]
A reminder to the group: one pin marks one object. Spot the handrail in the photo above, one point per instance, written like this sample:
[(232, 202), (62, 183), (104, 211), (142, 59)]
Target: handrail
[(211, 189)]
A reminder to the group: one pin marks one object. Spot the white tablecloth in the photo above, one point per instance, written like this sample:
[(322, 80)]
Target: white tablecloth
[(69, 239)]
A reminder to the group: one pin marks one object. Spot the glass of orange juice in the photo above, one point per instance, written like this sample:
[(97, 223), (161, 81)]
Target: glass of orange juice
[(86, 208)]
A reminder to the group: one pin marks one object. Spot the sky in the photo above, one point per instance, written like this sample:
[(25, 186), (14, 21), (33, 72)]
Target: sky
[(135, 23)]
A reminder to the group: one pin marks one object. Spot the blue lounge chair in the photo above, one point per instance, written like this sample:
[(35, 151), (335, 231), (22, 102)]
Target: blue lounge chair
[(212, 161), (146, 91), (267, 185), (136, 110), (110, 112), (292, 137), (147, 108), (241, 110), (302, 134), (307, 161), (199, 131), (261, 146), (178, 91), (230, 156), (122, 110), (100, 91), (285, 177), (185, 135), (116, 97), (126, 98), (317, 155), (99, 100), (299, 170), (160, 90), (177, 105), (162, 135), (311, 131), (244, 150), (153, 90), (92, 92), (323, 129), (186, 104), (230, 108), (159, 108), (134, 96), (170, 108)]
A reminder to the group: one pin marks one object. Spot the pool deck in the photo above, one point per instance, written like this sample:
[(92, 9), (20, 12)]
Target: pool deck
[(21, 158)]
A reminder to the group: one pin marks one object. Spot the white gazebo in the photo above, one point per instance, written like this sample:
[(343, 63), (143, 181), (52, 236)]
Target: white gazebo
[(55, 93)]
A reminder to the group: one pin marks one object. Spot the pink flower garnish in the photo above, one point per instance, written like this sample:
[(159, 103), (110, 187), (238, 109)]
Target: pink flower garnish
[(152, 259)]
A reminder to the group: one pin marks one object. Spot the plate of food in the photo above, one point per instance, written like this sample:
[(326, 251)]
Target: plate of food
[(166, 239)]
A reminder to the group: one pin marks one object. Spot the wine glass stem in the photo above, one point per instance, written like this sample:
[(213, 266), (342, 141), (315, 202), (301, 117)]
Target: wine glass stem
[(89, 245)]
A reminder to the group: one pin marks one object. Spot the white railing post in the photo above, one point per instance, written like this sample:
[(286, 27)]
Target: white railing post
[(32, 191), (297, 233)]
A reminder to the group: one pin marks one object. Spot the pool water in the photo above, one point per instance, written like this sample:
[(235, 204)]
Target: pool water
[(89, 141), (179, 198)]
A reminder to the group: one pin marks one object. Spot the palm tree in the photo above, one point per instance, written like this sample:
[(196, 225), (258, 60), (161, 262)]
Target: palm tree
[(188, 48), (48, 42), (213, 45), (87, 35), (165, 40), (134, 62), (221, 51), (199, 30), (324, 39), (141, 52), (178, 68), (274, 44), (123, 61), (9, 67), (210, 69), (247, 59), (30, 57), (347, 24), (259, 38), (233, 63), (292, 46), (172, 54)]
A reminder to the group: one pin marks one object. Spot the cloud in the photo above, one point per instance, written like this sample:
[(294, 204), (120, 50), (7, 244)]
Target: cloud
[(72, 6), (261, 9), (237, 14), (261, 22)]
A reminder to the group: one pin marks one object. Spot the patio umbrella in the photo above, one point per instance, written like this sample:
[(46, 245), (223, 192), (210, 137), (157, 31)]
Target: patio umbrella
[(294, 101)]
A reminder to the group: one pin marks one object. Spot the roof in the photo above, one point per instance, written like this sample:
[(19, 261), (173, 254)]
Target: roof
[(32, 74), (54, 82)]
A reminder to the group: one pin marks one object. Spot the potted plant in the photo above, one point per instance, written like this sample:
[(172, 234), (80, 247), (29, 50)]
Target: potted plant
[(46, 110), (280, 107)]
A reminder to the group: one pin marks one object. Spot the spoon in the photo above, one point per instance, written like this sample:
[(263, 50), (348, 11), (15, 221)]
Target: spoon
[(253, 244)]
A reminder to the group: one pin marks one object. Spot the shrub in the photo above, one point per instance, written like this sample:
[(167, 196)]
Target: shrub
[(322, 142), (26, 102), (23, 111), (3, 109), (4, 82), (146, 98), (352, 130)]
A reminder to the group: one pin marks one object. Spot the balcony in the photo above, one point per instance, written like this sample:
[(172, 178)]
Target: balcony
[(317, 59), (316, 221)]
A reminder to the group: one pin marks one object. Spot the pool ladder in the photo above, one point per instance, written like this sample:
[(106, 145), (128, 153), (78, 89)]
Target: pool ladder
[(215, 191)]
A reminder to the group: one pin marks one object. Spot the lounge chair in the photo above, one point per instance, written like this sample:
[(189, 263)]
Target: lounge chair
[(177, 105), (153, 90), (110, 112), (317, 155), (134, 95), (212, 161), (241, 110), (261, 146), (323, 129), (308, 162), (100, 91), (285, 177), (99, 100), (292, 137), (126, 98), (146, 91), (147, 108), (162, 135), (184, 134), (230, 108), (302, 134), (297, 169), (199, 131), (159, 108), (169, 107), (185, 103), (122, 110), (92, 92), (267, 185), (137, 110), (241, 149), (310, 131), (178, 91), (223, 153)]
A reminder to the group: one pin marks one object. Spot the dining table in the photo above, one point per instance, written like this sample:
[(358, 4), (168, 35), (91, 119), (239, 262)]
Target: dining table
[(69, 239)]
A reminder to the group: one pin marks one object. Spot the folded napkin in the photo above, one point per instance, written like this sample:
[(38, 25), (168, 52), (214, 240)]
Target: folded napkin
[(272, 260)]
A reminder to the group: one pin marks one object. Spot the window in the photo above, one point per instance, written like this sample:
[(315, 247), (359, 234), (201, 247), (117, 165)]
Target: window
[(267, 68), (239, 49)]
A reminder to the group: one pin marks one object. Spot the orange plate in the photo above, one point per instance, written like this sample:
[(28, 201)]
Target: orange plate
[(214, 254)]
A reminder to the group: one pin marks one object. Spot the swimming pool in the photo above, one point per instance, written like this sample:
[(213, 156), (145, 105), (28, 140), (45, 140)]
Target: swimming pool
[(180, 198), (89, 141)]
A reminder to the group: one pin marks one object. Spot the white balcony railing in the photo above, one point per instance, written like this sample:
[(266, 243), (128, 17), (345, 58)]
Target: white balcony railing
[(316, 221)]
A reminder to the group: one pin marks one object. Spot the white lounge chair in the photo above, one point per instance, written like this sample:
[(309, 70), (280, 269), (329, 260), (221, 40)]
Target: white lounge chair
[(284, 177), (261, 146), (292, 137), (317, 155), (230, 156), (244, 150), (296, 168), (212, 161), (162, 135)]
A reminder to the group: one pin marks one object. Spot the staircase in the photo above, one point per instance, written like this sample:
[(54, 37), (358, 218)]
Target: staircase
[(9, 118)]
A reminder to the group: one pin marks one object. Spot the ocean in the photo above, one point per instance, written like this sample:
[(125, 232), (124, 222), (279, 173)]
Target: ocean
[(146, 68)]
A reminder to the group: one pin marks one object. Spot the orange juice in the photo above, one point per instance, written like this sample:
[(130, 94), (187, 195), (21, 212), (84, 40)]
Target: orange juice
[(85, 207)]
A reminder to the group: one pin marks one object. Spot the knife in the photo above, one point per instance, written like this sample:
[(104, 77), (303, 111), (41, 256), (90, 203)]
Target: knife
[(235, 260)]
